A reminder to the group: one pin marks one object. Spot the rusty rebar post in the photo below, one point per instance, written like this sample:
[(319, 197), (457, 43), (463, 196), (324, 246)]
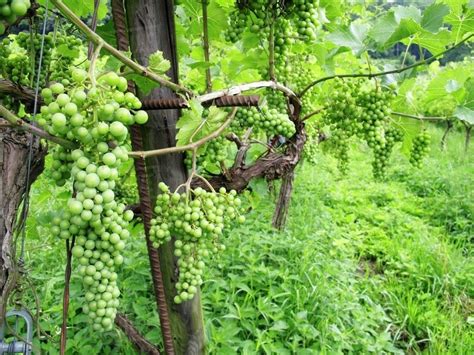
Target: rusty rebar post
[(224, 101), (118, 13)]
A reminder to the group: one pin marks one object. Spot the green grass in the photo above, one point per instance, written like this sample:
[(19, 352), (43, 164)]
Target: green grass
[(362, 267)]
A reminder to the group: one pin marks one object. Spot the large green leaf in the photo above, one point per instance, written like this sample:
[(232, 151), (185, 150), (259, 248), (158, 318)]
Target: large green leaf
[(469, 96), (84, 8), (395, 26), (352, 37), (383, 28), (189, 123), (406, 28), (433, 17), (438, 87), (410, 128), (402, 12), (465, 114), (434, 42)]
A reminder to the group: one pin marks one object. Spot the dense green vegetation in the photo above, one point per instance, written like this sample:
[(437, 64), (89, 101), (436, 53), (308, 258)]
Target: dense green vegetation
[(187, 143), (363, 266)]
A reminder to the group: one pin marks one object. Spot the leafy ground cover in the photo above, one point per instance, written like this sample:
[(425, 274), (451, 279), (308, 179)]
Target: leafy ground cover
[(362, 266)]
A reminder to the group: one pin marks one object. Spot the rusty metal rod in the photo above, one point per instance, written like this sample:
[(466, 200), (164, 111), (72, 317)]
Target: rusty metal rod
[(179, 103), (118, 13)]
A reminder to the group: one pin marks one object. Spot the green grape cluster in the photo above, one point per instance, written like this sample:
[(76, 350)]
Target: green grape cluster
[(99, 225), (196, 221), (61, 165), (341, 111), (284, 38), (305, 16), (32, 44), (300, 76), (214, 151), (14, 64), (66, 52), (340, 114), (420, 148), (10, 11), (276, 100), (374, 115), (382, 155), (373, 121), (267, 120), (442, 107), (93, 115), (237, 25), (126, 191), (311, 147)]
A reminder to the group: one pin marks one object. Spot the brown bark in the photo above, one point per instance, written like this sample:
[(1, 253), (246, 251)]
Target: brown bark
[(140, 343), (283, 203), (151, 25), (271, 166), (13, 178), (468, 137), (23, 94), (449, 126)]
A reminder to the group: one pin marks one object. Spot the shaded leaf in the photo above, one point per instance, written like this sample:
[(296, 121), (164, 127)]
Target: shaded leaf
[(144, 84), (433, 17), (465, 114)]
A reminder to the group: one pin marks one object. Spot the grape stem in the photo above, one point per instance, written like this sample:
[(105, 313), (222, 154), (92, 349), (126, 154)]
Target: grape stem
[(420, 118), (94, 58), (183, 148), (20, 124), (98, 40), (311, 114), (394, 71)]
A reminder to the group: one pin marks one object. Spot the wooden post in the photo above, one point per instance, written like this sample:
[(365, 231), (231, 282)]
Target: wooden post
[(14, 151), (151, 28)]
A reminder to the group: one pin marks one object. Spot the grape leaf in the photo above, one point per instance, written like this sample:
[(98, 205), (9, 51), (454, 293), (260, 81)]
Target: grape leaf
[(461, 16), (433, 17), (469, 96), (157, 63), (384, 27), (352, 37), (144, 84), (189, 122), (452, 86), (433, 42), (107, 32), (411, 128), (437, 87), (465, 114), (402, 12)]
